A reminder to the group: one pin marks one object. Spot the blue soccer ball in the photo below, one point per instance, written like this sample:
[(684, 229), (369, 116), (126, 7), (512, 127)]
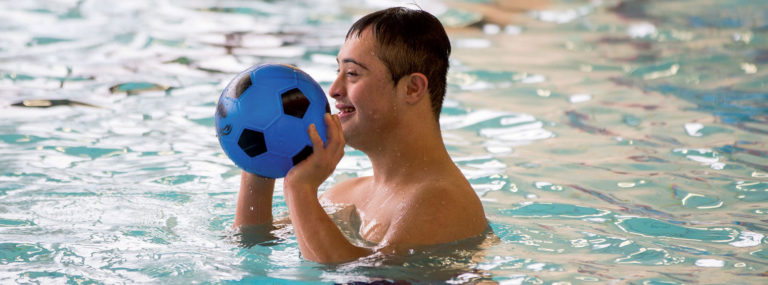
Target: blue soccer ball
[(263, 115)]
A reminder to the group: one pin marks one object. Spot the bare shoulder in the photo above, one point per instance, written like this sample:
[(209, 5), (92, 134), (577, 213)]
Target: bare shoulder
[(439, 212), (346, 191)]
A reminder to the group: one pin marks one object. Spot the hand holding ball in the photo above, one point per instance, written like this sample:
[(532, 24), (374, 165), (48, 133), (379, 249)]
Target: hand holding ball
[(263, 115)]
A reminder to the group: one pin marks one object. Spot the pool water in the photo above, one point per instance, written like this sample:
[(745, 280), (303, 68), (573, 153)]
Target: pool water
[(610, 141)]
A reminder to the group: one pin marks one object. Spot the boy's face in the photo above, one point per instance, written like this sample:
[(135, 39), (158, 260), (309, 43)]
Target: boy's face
[(364, 92)]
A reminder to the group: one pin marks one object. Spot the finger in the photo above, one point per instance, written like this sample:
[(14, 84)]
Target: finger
[(314, 137), (340, 132), (330, 131), (339, 153)]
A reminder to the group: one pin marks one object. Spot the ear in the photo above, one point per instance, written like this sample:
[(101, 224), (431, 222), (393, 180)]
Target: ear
[(416, 87)]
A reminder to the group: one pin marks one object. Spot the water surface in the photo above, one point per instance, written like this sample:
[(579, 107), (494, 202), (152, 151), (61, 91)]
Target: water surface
[(610, 141)]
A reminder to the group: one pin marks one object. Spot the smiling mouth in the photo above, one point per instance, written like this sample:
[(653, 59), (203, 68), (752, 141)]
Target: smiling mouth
[(346, 111)]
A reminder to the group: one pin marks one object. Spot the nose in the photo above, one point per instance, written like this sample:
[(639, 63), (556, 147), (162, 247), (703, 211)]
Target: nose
[(337, 87)]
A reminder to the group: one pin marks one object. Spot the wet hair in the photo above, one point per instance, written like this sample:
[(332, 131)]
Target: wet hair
[(409, 41)]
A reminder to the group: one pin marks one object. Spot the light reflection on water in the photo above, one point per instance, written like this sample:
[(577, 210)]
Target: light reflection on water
[(608, 140)]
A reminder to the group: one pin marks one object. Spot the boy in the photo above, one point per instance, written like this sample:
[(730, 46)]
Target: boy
[(389, 93)]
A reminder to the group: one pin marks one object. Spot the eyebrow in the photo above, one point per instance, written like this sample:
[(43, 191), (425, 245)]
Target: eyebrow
[(349, 60)]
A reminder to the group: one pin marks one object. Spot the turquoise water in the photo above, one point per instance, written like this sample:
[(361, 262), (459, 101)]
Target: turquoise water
[(610, 141)]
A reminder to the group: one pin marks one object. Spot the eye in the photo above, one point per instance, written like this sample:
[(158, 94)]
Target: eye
[(351, 73)]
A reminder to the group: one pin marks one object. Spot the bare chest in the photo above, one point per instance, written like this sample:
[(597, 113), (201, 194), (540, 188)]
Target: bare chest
[(377, 216)]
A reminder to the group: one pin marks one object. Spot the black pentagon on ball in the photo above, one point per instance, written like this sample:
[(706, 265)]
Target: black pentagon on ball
[(295, 103), (239, 85), (302, 155), (252, 142)]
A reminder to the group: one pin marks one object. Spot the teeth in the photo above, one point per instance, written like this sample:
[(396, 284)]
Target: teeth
[(348, 109)]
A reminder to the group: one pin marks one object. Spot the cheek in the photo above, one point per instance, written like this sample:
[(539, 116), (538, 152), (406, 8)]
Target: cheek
[(361, 93), (371, 98)]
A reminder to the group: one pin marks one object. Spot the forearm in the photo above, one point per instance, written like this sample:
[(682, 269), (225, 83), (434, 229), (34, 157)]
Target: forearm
[(319, 238), (254, 201)]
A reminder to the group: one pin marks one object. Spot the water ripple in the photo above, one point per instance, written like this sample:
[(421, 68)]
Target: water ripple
[(603, 150)]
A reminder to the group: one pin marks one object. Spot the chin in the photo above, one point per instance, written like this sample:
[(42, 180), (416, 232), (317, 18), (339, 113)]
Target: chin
[(352, 140)]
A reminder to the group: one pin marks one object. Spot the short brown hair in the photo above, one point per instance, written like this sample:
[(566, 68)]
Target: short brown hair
[(409, 41)]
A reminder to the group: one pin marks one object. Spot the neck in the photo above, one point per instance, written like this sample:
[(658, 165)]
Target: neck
[(406, 154)]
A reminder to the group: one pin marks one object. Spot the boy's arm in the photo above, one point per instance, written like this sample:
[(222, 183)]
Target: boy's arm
[(254, 202), (319, 238)]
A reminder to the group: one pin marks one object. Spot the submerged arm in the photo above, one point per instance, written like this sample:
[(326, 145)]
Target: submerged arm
[(253, 214), (319, 238), (254, 202)]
